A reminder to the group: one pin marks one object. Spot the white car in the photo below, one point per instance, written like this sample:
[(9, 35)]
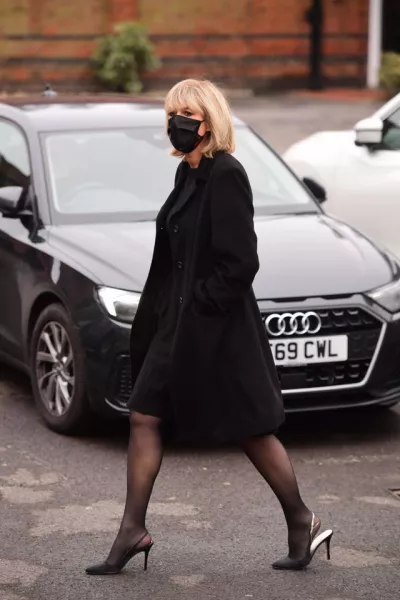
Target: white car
[(360, 171)]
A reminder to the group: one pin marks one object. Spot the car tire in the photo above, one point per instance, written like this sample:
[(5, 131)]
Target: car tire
[(57, 363)]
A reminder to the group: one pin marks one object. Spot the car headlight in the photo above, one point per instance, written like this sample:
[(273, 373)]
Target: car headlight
[(119, 304), (388, 296)]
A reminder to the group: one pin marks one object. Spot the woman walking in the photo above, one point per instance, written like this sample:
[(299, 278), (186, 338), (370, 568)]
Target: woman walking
[(200, 356)]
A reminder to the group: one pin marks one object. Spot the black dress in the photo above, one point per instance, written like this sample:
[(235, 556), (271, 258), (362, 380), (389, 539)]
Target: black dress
[(151, 392)]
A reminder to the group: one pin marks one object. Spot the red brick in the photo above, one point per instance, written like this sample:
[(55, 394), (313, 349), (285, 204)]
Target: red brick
[(71, 16), (14, 16), (46, 72), (346, 46), (48, 48), (250, 28), (122, 10)]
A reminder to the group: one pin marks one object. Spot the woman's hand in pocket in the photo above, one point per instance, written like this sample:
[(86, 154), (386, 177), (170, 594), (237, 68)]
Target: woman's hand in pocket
[(204, 306)]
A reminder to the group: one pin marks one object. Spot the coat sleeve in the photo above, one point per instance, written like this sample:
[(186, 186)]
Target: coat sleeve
[(234, 241)]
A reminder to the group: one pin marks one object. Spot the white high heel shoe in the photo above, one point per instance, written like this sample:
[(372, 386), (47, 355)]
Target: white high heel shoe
[(315, 541)]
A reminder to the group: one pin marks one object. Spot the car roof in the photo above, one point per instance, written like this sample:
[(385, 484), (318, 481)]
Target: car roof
[(65, 113)]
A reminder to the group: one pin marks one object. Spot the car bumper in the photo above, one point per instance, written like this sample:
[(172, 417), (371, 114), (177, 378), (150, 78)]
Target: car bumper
[(337, 401), (106, 344), (381, 385), (108, 367)]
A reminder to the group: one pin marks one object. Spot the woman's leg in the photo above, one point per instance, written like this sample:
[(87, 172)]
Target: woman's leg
[(144, 461), (272, 461)]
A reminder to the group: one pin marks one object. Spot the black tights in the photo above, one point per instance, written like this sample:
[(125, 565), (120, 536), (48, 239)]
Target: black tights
[(145, 454), (273, 463), (144, 461)]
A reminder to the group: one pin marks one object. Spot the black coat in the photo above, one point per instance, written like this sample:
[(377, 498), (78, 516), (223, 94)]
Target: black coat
[(223, 384)]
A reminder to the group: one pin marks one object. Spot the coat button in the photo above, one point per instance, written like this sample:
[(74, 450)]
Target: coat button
[(161, 228), (180, 300), (176, 228), (179, 264)]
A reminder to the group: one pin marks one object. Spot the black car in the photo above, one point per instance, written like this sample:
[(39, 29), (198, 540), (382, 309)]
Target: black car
[(76, 240)]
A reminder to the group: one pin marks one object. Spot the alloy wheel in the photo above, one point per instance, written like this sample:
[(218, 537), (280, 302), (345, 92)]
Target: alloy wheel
[(55, 369)]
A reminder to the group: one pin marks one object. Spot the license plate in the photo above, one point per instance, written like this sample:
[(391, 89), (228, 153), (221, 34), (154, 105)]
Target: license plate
[(303, 351)]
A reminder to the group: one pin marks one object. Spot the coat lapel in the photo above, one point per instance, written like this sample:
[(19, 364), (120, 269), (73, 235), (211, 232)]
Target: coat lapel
[(185, 194), (192, 181), (166, 207), (184, 189)]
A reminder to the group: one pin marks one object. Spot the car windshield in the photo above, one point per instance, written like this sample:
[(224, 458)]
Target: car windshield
[(110, 175)]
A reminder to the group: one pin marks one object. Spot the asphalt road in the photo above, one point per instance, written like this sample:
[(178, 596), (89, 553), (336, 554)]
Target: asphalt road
[(216, 524), (283, 120)]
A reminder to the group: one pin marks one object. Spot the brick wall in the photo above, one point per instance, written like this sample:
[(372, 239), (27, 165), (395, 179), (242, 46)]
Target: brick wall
[(250, 43)]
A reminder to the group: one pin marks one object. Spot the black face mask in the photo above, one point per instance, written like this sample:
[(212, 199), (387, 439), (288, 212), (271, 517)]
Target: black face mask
[(183, 133)]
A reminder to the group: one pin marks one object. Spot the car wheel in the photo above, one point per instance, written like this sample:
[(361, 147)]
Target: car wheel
[(58, 371)]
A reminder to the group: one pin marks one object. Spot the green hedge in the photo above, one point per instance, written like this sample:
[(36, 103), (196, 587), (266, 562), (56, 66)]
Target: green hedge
[(121, 58), (390, 72)]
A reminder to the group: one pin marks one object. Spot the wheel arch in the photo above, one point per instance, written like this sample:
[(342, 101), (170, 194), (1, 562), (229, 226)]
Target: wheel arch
[(42, 301), (48, 307)]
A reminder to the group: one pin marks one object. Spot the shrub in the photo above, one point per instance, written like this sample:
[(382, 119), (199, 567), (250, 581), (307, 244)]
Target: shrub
[(390, 72), (121, 58)]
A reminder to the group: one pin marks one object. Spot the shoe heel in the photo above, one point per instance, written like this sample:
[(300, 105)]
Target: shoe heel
[(146, 555), (328, 547)]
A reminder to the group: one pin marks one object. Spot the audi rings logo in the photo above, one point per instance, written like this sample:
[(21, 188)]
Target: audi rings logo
[(297, 323)]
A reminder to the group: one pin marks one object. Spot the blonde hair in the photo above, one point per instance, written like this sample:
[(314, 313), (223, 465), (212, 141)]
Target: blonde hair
[(206, 98)]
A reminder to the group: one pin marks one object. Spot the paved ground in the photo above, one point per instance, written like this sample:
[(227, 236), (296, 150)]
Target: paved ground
[(284, 120), (216, 525)]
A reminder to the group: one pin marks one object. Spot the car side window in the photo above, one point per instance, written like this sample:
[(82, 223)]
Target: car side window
[(391, 132), (14, 156)]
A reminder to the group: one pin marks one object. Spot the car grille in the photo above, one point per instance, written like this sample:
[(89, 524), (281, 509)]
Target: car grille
[(363, 331), (122, 381)]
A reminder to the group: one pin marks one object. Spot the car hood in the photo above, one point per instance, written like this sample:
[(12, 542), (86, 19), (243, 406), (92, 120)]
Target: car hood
[(329, 141), (318, 156), (300, 255)]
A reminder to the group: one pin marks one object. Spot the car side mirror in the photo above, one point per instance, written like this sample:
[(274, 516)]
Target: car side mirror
[(13, 203), (10, 197), (369, 132), (317, 190)]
